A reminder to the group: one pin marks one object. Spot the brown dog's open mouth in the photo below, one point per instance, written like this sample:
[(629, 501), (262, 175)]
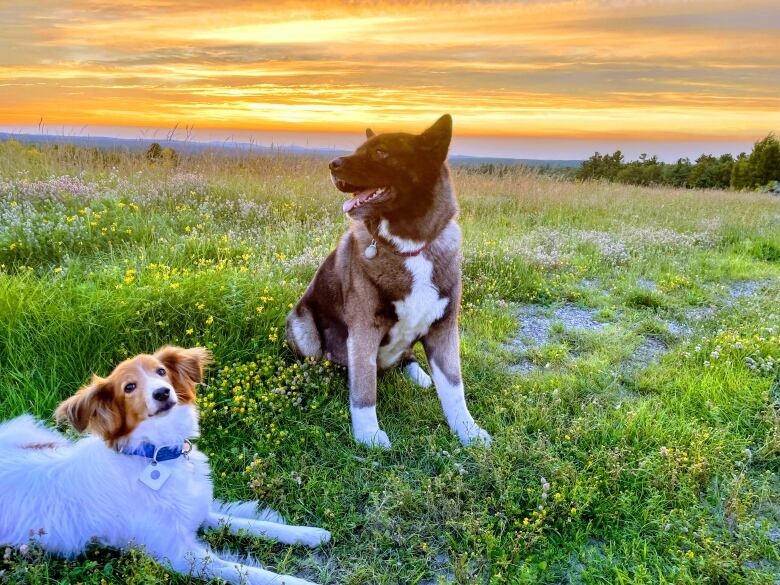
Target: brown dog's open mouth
[(362, 197)]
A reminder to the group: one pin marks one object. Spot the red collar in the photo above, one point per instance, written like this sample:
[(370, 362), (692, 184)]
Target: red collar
[(410, 254), (395, 250)]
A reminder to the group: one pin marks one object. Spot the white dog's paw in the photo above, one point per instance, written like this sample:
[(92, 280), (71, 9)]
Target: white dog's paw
[(416, 374), (377, 438), (313, 537), (474, 436)]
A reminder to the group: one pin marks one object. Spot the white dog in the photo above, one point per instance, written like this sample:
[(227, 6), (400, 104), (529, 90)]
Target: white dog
[(136, 481)]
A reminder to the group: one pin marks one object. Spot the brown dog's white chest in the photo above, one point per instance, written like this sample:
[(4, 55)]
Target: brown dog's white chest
[(416, 312)]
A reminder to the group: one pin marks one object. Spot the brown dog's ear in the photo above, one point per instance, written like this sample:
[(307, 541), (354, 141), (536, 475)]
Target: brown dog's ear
[(92, 407), (370, 133), (437, 138), (185, 368)]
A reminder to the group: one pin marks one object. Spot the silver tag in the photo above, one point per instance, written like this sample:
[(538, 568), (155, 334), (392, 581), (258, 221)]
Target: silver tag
[(155, 475), (370, 252)]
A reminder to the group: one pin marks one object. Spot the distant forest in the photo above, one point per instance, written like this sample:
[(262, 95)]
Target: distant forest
[(759, 169)]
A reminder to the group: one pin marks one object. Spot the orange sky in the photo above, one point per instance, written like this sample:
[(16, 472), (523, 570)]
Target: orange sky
[(583, 69)]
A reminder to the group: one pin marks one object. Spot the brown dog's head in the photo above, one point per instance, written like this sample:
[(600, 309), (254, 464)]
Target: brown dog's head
[(392, 171), (139, 389)]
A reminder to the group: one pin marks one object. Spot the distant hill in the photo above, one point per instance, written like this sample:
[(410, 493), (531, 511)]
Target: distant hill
[(141, 144)]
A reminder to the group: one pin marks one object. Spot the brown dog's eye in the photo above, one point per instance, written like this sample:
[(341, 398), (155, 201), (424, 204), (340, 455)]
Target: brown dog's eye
[(160, 371), (381, 154), (129, 388)]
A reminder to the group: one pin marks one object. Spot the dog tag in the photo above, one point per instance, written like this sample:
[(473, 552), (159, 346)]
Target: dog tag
[(370, 252), (155, 475)]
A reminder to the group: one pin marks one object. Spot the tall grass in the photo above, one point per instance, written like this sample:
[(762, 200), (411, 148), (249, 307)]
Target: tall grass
[(666, 472)]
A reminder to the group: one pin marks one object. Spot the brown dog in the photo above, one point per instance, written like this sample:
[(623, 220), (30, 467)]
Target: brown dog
[(394, 279)]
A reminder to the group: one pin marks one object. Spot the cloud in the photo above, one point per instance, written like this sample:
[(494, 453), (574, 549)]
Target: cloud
[(573, 67)]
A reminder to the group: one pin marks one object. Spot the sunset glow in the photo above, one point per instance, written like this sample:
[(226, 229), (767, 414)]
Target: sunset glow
[(587, 69)]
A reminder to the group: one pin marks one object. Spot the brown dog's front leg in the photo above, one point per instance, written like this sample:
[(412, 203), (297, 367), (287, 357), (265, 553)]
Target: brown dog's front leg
[(442, 347), (362, 347)]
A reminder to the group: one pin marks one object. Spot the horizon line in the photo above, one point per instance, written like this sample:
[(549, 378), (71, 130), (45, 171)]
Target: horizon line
[(514, 147)]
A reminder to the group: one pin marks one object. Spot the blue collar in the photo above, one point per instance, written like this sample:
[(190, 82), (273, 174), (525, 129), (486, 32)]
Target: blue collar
[(166, 453)]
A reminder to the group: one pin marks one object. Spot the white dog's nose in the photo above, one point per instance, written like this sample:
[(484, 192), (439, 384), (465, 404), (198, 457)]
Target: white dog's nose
[(161, 394)]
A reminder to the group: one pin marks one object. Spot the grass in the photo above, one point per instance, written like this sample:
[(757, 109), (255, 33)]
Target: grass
[(664, 472)]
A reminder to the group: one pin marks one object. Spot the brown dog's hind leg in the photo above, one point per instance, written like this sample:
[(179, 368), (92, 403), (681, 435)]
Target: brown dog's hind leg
[(302, 334), (413, 371)]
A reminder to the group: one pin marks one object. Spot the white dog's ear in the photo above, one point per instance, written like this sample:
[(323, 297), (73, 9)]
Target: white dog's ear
[(185, 368), (90, 408), (370, 133)]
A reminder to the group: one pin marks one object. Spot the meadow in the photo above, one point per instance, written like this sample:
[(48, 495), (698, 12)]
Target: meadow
[(620, 343)]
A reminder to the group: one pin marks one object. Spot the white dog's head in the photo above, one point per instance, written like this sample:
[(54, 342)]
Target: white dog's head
[(137, 395)]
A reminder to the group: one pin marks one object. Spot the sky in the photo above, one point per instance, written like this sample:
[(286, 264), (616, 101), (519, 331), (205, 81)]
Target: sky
[(533, 79)]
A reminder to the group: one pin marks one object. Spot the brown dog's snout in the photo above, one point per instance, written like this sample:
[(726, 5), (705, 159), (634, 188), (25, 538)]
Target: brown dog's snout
[(336, 164)]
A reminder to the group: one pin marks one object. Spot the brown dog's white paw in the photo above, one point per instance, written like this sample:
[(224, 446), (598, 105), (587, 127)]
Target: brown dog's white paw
[(475, 436), (416, 374), (377, 438)]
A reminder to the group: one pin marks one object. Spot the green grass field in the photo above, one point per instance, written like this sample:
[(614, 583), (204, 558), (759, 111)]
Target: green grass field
[(621, 345)]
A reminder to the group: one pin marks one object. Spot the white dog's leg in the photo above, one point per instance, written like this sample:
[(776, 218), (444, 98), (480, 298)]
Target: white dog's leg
[(203, 563), (305, 535), (247, 510)]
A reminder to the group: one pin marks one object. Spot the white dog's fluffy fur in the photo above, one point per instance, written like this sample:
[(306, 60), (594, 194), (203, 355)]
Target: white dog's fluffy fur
[(72, 493)]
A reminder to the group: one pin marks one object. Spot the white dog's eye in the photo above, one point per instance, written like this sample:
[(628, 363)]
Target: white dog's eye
[(381, 154), (129, 388), (160, 371)]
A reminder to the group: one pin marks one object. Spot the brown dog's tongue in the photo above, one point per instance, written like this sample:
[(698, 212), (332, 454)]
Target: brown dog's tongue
[(350, 204)]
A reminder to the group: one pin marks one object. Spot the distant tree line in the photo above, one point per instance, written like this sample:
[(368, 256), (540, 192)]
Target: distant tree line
[(747, 171), (504, 169), (156, 154)]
